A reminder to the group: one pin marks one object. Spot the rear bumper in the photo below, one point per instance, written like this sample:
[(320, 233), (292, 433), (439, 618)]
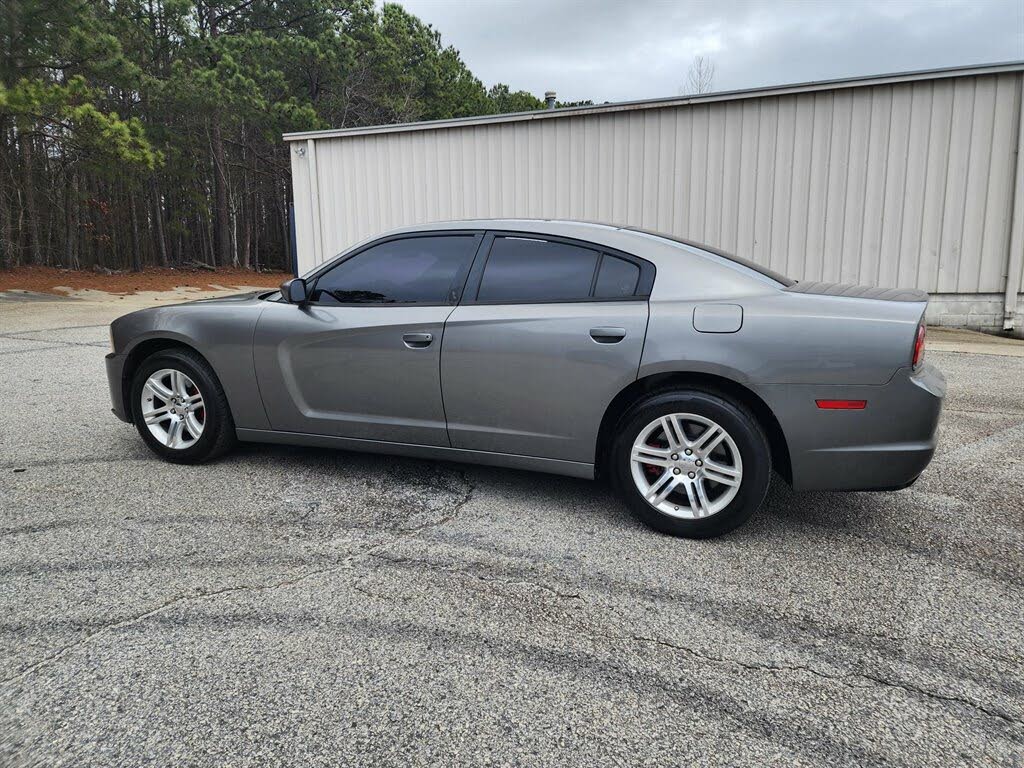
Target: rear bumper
[(115, 381), (886, 446)]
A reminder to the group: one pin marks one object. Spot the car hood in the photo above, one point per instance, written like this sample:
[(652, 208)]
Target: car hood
[(233, 298)]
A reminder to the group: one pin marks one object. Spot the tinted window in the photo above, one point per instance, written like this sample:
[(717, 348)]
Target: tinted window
[(616, 279), (413, 270), (524, 269)]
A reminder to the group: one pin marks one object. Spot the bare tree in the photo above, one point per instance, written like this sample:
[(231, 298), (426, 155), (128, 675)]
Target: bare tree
[(701, 77)]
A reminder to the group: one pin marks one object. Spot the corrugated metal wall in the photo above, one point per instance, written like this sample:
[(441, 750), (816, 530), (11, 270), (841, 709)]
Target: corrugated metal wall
[(907, 184)]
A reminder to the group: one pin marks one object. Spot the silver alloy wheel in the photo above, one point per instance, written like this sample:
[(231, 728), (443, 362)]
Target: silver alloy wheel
[(686, 466), (173, 408)]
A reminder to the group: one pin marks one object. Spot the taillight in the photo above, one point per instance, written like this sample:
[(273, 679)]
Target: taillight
[(919, 346)]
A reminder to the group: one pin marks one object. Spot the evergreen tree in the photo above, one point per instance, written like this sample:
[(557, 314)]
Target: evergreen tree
[(148, 132)]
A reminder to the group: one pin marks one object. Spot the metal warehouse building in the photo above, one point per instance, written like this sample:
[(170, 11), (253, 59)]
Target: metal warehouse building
[(909, 180)]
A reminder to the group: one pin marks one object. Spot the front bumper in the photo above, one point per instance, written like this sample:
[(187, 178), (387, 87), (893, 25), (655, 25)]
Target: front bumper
[(886, 446), (115, 380)]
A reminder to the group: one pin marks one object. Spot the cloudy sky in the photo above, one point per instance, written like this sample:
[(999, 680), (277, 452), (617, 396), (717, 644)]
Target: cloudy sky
[(615, 50)]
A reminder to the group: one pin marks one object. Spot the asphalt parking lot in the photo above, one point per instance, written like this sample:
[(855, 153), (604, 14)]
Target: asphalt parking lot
[(307, 607)]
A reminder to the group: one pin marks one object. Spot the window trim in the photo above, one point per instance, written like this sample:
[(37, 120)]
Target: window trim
[(471, 291), (455, 288)]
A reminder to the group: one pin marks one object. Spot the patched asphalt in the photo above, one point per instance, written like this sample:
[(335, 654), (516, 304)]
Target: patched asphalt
[(308, 607)]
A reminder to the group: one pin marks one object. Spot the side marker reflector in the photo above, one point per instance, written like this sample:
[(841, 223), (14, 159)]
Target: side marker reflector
[(842, 405)]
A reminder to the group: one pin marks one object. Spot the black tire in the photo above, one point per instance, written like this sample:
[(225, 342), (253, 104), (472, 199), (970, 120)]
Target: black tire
[(735, 419), (218, 433)]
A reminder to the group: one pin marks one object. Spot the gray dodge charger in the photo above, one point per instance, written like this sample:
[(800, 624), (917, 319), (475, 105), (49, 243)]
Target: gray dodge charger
[(682, 375)]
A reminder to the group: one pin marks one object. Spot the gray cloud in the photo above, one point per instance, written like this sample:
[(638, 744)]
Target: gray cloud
[(609, 50)]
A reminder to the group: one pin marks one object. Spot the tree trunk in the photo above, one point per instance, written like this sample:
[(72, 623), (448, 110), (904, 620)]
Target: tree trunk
[(290, 259), (211, 258), (158, 219), (256, 209), (136, 256), (220, 188), (70, 230), (247, 217), (6, 245), (28, 190)]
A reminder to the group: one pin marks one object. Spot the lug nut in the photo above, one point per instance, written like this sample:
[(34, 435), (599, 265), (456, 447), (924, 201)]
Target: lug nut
[(676, 471), (675, 457), (689, 452), (693, 475), (699, 463)]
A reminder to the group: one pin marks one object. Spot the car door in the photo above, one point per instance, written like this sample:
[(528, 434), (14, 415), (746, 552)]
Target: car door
[(548, 332), (361, 358)]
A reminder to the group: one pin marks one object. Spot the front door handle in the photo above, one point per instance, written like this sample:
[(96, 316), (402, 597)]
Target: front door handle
[(417, 340), (607, 335)]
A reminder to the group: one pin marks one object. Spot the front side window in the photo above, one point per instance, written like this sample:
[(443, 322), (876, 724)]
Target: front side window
[(413, 270), (523, 269)]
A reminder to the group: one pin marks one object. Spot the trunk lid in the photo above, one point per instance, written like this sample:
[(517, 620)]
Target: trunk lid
[(850, 291)]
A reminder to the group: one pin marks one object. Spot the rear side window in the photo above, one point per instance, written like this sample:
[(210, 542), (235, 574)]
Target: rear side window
[(616, 278), (522, 269), (414, 270)]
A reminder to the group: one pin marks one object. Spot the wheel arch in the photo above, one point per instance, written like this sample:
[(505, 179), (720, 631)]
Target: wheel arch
[(145, 349), (669, 380)]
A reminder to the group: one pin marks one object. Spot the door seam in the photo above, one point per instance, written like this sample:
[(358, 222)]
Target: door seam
[(255, 371), (440, 378)]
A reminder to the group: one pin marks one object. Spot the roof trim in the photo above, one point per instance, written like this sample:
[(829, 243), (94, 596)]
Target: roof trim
[(672, 101)]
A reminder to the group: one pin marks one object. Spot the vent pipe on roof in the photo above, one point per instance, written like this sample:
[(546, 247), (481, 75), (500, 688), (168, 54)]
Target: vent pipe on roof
[(549, 99)]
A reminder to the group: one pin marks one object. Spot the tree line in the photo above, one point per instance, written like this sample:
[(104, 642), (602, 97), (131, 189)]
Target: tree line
[(148, 132)]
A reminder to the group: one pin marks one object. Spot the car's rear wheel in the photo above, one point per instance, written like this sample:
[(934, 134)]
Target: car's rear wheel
[(691, 463), (179, 407)]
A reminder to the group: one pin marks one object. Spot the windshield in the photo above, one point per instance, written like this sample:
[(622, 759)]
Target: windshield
[(779, 278)]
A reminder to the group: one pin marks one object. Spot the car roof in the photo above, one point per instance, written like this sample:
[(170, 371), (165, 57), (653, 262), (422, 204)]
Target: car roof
[(530, 224), (619, 236)]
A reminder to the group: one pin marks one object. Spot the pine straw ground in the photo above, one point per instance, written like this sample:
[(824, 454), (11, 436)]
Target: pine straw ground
[(48, 279)]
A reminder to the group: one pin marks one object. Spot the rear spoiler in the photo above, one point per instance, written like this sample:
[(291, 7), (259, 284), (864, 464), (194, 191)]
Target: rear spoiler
[(850, 291)]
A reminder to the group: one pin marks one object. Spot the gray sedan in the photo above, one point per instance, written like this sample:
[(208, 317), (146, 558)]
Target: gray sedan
[(682, 375)]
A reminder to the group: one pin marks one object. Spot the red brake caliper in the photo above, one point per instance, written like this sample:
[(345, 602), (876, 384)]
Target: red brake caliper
[(653, 472)]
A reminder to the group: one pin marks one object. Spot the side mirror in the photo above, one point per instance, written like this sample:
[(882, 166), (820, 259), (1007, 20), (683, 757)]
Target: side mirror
[(294, 291)]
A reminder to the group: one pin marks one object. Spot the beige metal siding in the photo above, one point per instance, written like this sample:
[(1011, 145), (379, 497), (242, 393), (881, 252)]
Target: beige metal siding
[(906, 184)]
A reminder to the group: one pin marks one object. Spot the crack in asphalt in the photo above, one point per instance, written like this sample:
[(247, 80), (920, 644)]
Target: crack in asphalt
[(50, 330), (829, 630), (41, 463), (842, 679), (199, 595), (477, 575), (195, 596), (56, 343), (456, 509), (7, 352)]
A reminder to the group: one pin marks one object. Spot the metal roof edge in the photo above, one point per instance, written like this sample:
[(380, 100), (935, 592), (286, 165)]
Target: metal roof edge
[(670, 101)]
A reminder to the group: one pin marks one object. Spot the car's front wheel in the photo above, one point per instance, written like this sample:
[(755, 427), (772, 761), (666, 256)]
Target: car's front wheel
[(179, 407), (691, 463)]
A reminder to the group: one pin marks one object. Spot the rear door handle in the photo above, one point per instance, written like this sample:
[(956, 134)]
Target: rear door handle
[(417, 340), (607, 335)]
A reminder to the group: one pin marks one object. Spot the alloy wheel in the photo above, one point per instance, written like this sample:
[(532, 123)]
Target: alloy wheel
[(686, 466), (173, 408)]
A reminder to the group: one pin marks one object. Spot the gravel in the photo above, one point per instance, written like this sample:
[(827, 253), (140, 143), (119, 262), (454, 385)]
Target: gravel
[(294, 606)]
